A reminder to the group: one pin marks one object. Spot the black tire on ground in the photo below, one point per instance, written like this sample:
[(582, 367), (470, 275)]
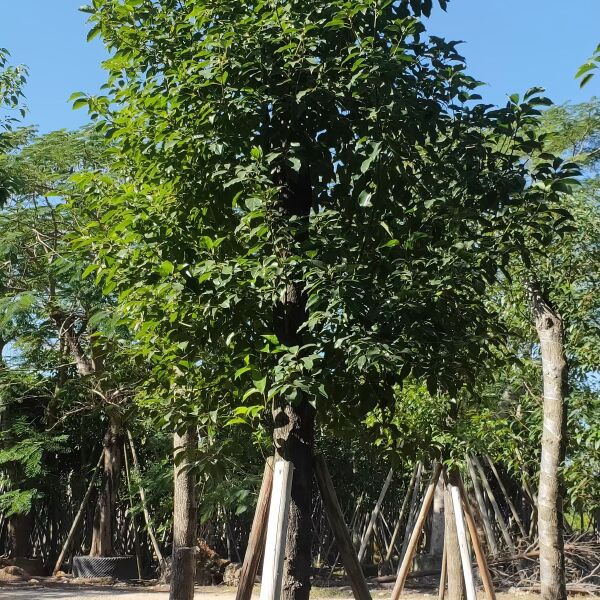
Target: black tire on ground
[(119, 567)]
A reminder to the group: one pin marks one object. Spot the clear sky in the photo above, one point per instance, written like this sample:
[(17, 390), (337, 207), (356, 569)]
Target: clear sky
[(511, 44)]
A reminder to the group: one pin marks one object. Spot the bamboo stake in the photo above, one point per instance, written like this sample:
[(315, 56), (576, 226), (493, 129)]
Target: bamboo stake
[(442, 590), (412, 514), (136, 464), (484, 571), (509, 501), (258, 534), (390, 549), (489, 531), (366, 538), (416, 534), (78, 516), (499, 516), (136, 539), (462, 541)]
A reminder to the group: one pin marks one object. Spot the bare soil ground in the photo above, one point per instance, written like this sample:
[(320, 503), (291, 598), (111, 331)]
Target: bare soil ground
[(70, 591)]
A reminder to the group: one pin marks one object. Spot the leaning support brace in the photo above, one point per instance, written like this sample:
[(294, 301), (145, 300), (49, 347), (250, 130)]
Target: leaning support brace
[(484, 571), (340, 531), (258, 535), (78, 516), (416, 534)]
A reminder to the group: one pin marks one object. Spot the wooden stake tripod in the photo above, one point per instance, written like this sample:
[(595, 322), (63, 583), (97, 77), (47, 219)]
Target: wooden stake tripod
[(462, 514), (269, 530)]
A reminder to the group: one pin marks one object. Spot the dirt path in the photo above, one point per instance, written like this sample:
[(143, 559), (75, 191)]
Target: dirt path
[(66, 591), (92, 592)]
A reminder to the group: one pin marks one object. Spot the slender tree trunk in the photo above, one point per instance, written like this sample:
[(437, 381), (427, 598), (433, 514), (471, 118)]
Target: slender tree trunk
[(183, 566), (550, 329), (105, 513), (456, 584)]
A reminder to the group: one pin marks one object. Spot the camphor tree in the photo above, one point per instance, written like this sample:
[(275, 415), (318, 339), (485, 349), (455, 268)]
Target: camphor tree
[(312, 192)]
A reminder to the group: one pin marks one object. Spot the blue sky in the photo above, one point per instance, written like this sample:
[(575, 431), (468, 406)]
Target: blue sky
[(511, 44)]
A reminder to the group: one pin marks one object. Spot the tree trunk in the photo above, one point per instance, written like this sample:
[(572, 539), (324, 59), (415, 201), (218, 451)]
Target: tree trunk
[(20, 528), (294, 422), (105, 513), (550, 329), (183, 566), (294, 436), (456, 584)]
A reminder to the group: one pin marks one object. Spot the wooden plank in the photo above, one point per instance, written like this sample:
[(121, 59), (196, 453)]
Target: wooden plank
[(340, 531), (277, 530), (484, 571), (367, 537), (465, 557), (258, 535), (416, 534)]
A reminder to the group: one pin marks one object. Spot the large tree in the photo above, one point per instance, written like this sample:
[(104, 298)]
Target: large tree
[(312, 191)]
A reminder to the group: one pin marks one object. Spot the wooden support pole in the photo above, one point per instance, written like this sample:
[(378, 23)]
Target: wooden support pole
[(416, 534), (484, 571), (148, 519), (499, 516), (509, 501), (71, 535), (465, 557), (277, 530), (489, 530), (258, 535), (367, 537), (340, 531), (411, 485), (136, 539), (442, 589), (412, 513)]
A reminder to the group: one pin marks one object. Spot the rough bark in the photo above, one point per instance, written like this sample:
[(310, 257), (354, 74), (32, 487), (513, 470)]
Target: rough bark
[(19, 532), (294, 422), (456, 584), (294, 435), (183, 566), (104, 515), (550, 330)]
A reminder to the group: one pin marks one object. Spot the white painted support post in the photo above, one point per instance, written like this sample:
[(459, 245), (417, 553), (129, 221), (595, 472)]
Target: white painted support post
[(277, 531), (462, 541)]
